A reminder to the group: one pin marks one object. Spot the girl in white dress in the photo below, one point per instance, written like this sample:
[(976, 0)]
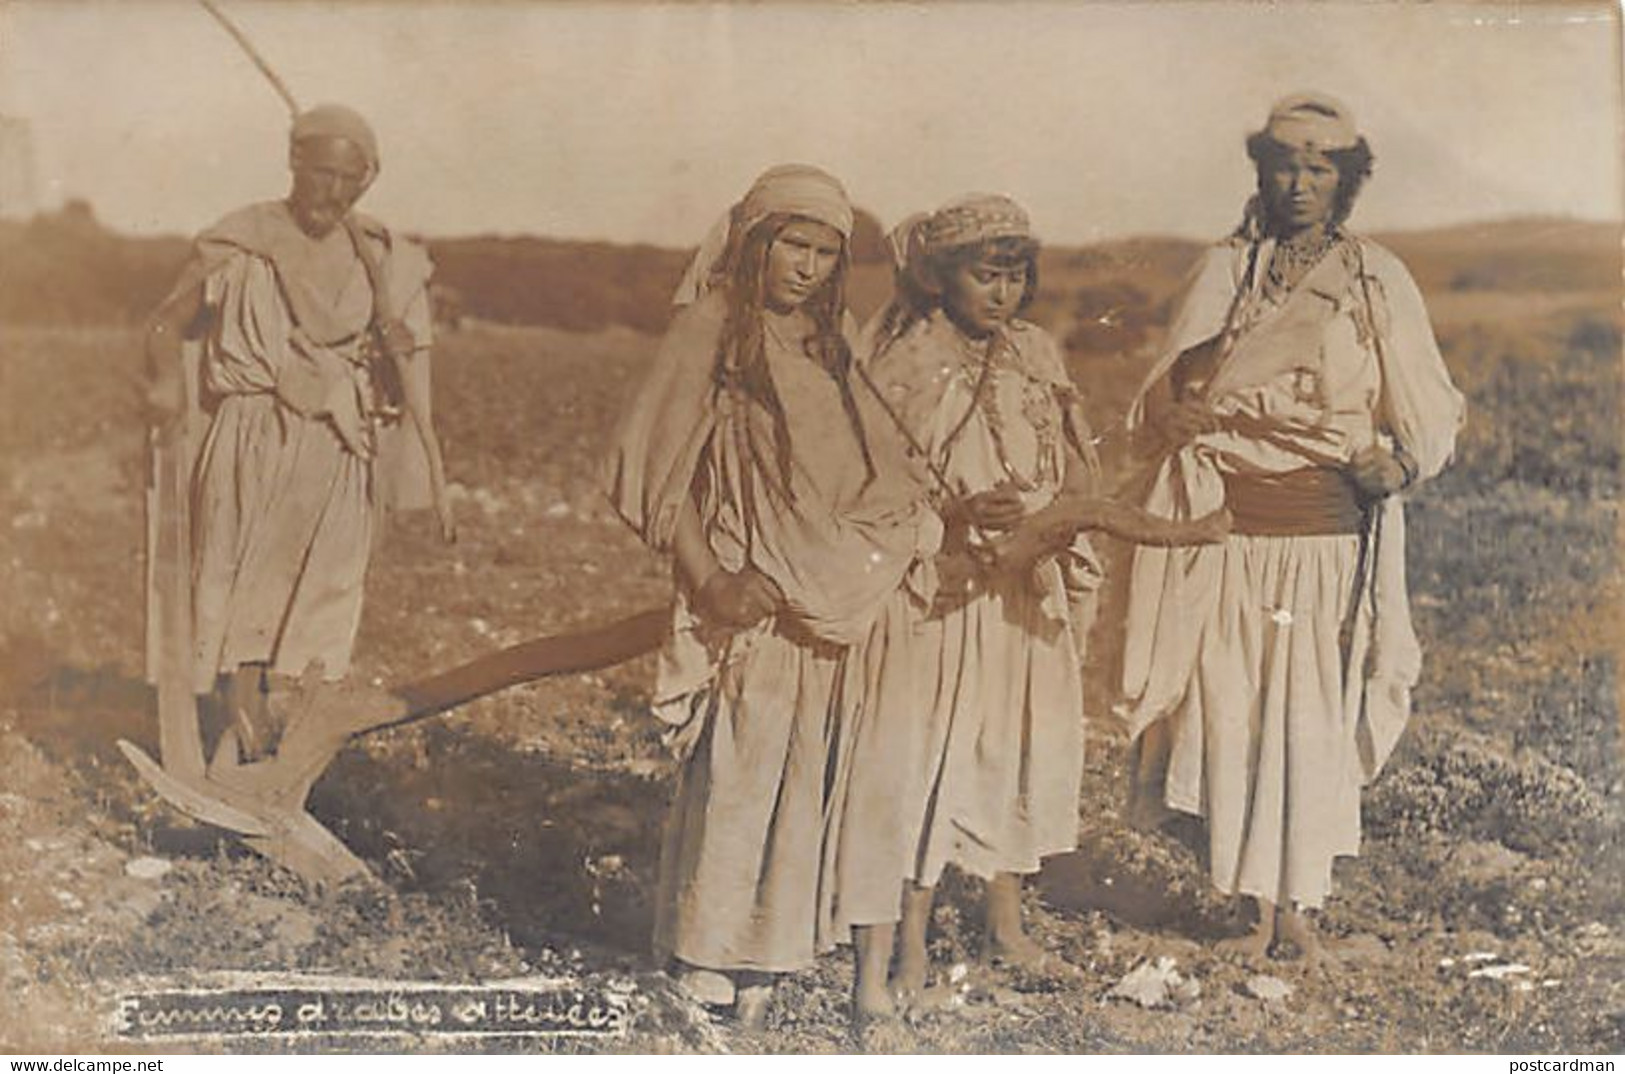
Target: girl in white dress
[(967, 748)]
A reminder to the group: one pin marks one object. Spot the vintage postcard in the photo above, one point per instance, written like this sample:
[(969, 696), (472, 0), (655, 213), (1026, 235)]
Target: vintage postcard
[(811, 527)]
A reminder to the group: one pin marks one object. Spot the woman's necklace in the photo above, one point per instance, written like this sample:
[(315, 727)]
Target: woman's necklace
[(982, 361), (1294, 257), (1037, 415)]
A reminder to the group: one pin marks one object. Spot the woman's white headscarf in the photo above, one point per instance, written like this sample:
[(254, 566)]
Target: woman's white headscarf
[(788, 189)]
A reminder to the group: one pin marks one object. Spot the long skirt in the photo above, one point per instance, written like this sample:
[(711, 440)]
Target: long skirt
[(965, 747), (889, 751), (1263, 747), (739, 865)]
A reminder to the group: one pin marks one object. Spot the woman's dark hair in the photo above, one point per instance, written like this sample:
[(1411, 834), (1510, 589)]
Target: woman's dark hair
[(920, 294), (741, 349), (1353, 169)]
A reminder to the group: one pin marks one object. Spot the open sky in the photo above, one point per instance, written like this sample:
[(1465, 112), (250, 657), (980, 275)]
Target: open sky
[(641, 122)]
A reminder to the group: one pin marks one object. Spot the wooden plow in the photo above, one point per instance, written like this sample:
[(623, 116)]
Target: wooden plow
[(263, 801)]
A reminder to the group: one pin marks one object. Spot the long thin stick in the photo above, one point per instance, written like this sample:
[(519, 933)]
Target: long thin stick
[(414, 394), (253, 54)]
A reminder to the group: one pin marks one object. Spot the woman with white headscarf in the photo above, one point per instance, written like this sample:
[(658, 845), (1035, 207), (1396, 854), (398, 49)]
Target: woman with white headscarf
[(1268, 677), (745, 456)]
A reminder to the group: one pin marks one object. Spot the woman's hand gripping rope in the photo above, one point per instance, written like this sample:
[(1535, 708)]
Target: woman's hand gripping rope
[(725, 600), (1378, 472), (998, 508)]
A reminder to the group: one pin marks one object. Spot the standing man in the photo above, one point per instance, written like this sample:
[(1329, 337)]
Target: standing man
[(290, 385)]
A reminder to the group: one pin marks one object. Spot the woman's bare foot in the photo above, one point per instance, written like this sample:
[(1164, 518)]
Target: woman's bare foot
[(877, 1018), (907, 985), (871, 996), (707, 987), (1019, 951), (913, 963), (1255, 943), (1249, 947), (1298, 929), (873, 1002), (883, 1034), (1007, 941), (750, 1005)]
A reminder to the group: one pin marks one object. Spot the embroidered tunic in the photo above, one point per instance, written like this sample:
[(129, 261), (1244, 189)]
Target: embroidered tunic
[(968, 744)]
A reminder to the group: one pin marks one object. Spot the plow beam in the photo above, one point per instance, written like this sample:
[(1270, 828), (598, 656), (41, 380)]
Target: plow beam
[(264, 801)]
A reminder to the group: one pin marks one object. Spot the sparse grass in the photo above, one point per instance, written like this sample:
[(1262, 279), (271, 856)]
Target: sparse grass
[(524, 826)]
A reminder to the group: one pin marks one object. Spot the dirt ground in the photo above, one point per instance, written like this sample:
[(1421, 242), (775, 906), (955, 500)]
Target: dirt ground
[(518, 835)]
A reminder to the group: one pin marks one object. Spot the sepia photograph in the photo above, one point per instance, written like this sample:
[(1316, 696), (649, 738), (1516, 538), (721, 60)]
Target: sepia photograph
[(820, 527)]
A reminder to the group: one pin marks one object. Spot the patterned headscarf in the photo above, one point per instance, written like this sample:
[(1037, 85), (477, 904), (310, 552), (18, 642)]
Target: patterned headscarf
[(788, 189), (969, 219)]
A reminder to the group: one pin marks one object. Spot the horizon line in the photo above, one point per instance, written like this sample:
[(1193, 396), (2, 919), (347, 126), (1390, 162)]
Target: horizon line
[(1104, 240)]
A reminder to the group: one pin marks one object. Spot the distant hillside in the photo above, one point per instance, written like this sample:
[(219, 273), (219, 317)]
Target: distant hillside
[(1500, 255), (1544, 255), (1110, 298), (64, 268), (577, 286)]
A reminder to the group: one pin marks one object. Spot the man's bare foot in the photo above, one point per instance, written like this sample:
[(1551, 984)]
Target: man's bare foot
[(226, 755), (248, 703)]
